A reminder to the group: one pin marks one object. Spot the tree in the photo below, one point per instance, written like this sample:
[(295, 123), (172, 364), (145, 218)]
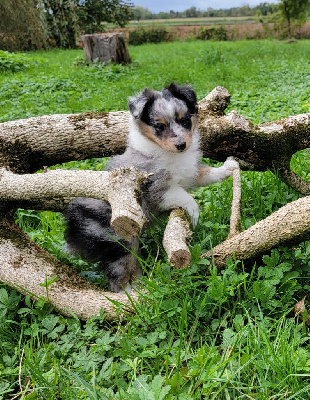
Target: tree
[(93, 13), (62, 22), (28, 145), (22, 25), (294, 11)]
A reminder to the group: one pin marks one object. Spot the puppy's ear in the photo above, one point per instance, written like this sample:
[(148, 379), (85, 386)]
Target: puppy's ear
[(186, 94), (139, 105)]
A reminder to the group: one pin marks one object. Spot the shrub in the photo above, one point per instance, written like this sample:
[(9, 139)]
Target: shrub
[(212, 33), (12, 62), (152, 35)]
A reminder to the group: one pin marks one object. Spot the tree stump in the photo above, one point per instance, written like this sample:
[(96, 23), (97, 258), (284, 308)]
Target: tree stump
[(106, 47)]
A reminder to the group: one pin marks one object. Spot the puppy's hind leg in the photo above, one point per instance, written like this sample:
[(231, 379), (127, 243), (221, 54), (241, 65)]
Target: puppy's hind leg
[(122, 272)]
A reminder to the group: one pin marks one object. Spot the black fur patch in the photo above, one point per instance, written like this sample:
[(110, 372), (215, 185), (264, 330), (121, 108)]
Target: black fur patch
[(89, 234), (186, 94)]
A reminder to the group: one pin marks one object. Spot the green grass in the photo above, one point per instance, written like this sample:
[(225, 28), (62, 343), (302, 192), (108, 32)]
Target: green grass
[(196, 335), (190, 21)]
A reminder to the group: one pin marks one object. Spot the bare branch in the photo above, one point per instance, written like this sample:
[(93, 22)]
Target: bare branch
[(119, 187), (28, 145), (176, 237), (289, 225), (235, 218), (27, 267)]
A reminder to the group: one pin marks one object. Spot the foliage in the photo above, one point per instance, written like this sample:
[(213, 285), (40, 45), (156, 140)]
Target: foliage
[(212, 33), (193, 12), (286, 21), (62, 22), (294, 10), (22, 26), (34, 24), (150, 35), (199, 333), (14, 62), (93, 13)]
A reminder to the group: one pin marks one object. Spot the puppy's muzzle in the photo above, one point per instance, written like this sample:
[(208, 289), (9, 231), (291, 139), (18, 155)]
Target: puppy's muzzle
[(181, 146)]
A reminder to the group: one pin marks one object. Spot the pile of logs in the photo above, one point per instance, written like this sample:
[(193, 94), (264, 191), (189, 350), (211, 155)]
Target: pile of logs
[(37, 143)]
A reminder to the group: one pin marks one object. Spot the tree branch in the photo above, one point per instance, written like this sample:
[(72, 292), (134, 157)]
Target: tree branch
[(235, 218), (27, 267), (119, 187), (176, 237), (26, 145), (289, 225)]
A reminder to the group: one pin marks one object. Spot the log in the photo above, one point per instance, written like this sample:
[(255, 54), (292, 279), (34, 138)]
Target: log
[(120, 187), (176, 238), (29, 145), (289, 225), (26, 144), (27, 267), (106, 47)]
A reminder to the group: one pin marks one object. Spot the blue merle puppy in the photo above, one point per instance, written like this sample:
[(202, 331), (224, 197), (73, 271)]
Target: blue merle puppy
[(163, 140)]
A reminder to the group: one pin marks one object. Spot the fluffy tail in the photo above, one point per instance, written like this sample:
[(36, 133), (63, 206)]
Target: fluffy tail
[(90, 236)]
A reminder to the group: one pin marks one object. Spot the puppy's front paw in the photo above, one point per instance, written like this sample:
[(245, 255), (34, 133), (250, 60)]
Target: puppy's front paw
[(230, 165)]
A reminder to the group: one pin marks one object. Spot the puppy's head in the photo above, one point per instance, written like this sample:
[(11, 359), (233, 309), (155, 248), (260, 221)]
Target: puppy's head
[(167, 118)]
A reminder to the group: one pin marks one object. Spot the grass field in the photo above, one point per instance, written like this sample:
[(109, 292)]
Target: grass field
[(191, 21), (199, 333)]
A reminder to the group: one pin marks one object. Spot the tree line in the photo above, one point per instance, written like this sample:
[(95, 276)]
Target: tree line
[(37, 24), (192, 12)]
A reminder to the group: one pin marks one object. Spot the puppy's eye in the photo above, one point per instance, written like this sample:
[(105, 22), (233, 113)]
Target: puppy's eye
[(159, 127), (186, 122)]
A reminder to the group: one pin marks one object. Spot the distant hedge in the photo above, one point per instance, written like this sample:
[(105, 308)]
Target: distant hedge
[(150, 35), (212, 33)]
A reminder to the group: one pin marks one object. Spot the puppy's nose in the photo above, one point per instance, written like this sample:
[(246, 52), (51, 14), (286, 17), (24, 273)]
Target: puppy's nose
[(181, 146)]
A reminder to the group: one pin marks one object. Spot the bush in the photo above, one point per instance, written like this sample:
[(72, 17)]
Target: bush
[(12, 62), (212, 33), (152, 35)]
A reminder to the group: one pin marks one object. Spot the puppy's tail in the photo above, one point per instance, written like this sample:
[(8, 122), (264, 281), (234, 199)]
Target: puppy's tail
[(89, 234)]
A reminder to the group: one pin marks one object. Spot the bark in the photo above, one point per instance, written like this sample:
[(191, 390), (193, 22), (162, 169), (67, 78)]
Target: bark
[(289, 225), (176, 238), (119, 187), (27, 267), (32, 144), (235, 218), (106, 47), (26, 145)]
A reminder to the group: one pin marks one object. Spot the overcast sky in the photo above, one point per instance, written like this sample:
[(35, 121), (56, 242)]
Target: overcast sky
[(181, 5)]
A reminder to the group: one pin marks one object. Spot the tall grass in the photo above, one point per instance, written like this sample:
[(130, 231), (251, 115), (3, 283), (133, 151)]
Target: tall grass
[(198, 333)]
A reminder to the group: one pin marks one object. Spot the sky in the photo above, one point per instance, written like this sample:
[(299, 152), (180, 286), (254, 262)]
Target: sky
[(181, 5)]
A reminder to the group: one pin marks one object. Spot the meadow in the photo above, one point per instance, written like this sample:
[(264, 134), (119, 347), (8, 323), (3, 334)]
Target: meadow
[(199, 333)]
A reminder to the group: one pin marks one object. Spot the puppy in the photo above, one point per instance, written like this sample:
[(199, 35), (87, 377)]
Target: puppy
[(163, 140)]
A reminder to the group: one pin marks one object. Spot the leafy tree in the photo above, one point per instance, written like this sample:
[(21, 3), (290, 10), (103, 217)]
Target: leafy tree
[(92, 13), (294, 11), (22, 25), (61, 18)]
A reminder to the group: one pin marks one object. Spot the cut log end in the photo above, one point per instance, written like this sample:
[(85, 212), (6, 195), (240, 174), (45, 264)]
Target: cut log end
[(180, 259), (126, 227)]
